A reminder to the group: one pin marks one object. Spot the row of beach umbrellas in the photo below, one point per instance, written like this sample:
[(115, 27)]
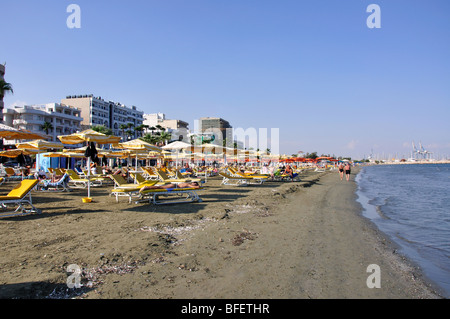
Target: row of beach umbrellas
[(136, 148)]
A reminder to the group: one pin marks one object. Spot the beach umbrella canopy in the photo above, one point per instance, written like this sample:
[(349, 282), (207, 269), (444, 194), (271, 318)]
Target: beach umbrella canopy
[(89, 136), (213, 148), (11, 133), (138, 145), (16, 152), (40, 145), (177, 146)]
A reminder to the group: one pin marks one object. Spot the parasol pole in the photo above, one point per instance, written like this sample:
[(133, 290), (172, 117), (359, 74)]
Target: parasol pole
[(89, 176)]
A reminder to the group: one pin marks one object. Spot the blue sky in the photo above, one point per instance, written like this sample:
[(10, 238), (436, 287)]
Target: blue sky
[(313, 69)]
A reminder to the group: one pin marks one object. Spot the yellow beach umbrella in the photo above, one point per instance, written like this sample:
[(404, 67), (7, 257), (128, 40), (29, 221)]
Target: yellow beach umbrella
[(89, 136), (137, 147), (11, 133), (16, 152), (40, 145)]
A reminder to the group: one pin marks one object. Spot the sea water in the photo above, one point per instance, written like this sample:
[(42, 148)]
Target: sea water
[(411, 204)]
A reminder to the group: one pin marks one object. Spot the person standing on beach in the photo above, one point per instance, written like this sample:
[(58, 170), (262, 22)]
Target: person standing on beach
[(347, 171), (341, 171)]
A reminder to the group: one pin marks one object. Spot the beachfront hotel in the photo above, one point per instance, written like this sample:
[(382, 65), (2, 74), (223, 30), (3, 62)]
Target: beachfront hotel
[(178, 128), (210, 124), (64, 119), (97, 111)]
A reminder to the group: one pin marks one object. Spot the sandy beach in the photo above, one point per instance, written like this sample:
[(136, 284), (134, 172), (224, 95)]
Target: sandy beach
[(279, 240)]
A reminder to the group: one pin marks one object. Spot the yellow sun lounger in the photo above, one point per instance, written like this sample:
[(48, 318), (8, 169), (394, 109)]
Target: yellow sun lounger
[(78, 182), (18, 197), (170, 196), (180, 175), (120, 182), (235, 180), (130, 190), (166, 179), (251, 179), (11, 174)]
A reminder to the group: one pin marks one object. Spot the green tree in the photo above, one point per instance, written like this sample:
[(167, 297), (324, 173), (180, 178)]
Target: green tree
[(165, 137), (313, 155), (5, 87), (47, 126), (123, 127), (150, 138), (102, 129), (140, 129)]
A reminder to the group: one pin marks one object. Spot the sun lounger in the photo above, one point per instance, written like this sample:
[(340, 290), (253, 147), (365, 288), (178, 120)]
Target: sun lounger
[(252, 179), (170, 196), (149, 173), (234, 180), (166, 179), (122, 188), (11, 174), (78, 182), (141, 179), (18, 197), (179, 175), (60, 186)]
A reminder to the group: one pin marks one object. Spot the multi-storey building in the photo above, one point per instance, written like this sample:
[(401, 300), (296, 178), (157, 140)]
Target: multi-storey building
[(64, 119), (96, 111), (210, 124), (178, 128)]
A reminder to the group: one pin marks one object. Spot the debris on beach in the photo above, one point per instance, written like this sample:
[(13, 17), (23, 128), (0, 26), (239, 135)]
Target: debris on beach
[(240, 238), (174, 234)]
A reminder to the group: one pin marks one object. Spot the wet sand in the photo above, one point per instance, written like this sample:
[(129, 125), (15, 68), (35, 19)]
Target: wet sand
[(279, 240)]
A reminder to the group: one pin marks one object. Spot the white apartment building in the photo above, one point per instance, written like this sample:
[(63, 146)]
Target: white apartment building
[(178, 128), (65, 120), (97, 111)]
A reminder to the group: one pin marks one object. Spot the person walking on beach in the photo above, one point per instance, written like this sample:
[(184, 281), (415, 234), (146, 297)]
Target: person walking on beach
[(341, 170), (347, 171)]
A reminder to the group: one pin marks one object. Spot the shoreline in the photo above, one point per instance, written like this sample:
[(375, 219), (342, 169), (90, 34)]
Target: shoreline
[(287, 240)]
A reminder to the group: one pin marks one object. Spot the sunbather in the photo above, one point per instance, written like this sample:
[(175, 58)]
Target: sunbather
[(167, 186), (288, 171)]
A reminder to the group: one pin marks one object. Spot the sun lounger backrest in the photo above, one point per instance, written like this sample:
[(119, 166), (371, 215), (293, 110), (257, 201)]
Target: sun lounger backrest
[(23, 188), (118, 179), (139, 178), (162, 174), (10, 171), (72, 174)]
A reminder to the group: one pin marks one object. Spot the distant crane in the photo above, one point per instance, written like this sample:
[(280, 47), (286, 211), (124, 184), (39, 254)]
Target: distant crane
[(426, 154), (420, 153)]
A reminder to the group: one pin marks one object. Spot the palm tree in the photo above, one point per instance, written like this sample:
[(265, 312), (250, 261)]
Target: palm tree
[(130, 129), (102, 129), (140, 128), (4, 88), (47, 126), (165, 137), (123, 127), (130, 133), (150, 138)]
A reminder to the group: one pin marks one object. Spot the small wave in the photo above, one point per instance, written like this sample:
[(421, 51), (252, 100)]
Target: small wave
[(380, 212)]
